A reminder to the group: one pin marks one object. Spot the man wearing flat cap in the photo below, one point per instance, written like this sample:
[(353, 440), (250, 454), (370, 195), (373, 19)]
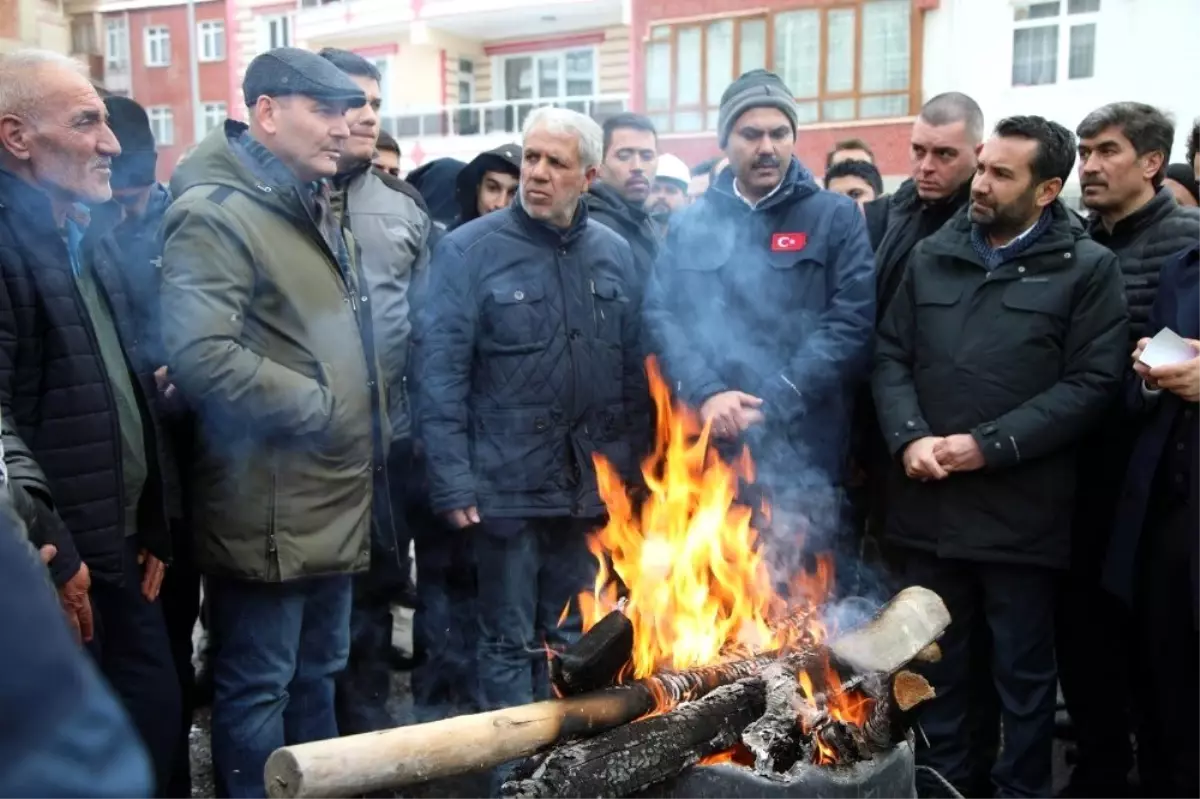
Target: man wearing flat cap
[(761, 309), (262, 307)]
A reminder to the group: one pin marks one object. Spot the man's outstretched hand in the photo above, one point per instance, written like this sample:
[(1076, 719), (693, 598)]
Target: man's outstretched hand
[(731, 413), (77, 604)]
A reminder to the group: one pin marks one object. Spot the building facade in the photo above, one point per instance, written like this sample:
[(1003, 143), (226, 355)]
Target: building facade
[(33, 23)]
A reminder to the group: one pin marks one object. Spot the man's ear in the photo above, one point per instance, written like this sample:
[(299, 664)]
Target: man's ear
[(1048, 191), (15, 136), (1152, 162), (590, 174), (264, 111)]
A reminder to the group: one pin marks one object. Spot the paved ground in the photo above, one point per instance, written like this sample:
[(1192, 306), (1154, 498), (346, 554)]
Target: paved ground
[(400, 704)]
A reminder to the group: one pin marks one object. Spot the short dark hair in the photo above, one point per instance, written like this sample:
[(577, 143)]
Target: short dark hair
[(951, 107), (1148, 129), (705, 167), (1193, 145), (848, 144), (1055, 145), (858, 169), (626, 120), (387, 143), (351, 63)]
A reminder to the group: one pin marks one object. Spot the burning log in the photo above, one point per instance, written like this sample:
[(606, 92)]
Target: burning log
[(775, 738), (638, 755), (910, 689), (402, 756), (596, 660)]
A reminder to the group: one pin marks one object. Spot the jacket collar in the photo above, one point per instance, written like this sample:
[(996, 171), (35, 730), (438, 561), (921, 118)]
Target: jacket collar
[(28, 203), (797, 183), (547, 233), (954, 238), (906, 198), (601, 196), (1160, 206)]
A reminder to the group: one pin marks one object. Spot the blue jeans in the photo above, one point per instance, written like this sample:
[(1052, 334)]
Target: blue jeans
[(281, 645), (528, 570)]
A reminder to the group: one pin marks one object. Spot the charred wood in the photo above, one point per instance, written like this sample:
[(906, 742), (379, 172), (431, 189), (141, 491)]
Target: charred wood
[(634, 757), (775, 739), (596, 660)]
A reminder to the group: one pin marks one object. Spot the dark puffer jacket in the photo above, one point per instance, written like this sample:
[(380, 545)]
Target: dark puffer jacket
[(60, 424), (632, 223), (528, 364), (1143, 242)]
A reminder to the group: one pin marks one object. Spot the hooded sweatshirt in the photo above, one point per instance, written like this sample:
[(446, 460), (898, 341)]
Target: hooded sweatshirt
[(629, 220)]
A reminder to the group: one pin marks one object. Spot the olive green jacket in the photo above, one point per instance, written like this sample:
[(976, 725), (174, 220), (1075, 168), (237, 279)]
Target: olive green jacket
[(261, 327)]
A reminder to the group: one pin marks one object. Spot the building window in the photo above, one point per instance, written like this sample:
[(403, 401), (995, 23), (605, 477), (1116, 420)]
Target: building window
[(162, 125), (215, 115), (275, 31), (83, 35), (158, 47), (116, 43), (547, 77), (466, 81), (211, 34), (1054, 41), (852, 61), (384, 64)]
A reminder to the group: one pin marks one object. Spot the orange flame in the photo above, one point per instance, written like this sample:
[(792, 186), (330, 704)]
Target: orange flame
[(698, 588)]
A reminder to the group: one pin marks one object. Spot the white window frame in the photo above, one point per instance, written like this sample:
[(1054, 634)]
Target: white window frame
[(383, 63), (210, 36), (162, 124), (467, 78), (116, 42), (1064, 21), (287, 25), (150, 37), (498, 75), (214, 114)]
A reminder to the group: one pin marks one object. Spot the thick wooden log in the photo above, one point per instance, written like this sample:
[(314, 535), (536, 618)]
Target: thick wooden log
[(402, 756), (596, 659), (907, 624), (638, 755), (775, 739)]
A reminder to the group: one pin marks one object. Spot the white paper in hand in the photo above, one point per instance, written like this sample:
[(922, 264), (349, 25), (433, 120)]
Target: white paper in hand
[(1166, 349)]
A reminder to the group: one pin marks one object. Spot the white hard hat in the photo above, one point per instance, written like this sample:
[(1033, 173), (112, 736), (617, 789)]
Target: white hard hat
[(671, 167)]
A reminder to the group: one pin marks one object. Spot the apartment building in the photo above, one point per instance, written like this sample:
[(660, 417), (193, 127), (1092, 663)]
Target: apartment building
[(33, 23), (142, 49)]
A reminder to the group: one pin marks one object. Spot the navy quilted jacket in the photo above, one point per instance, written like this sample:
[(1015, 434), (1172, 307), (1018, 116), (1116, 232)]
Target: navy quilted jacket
[(60, 425), (529, 363)]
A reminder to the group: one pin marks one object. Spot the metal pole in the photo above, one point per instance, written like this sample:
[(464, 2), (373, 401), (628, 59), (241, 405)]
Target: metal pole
[(194, 72)]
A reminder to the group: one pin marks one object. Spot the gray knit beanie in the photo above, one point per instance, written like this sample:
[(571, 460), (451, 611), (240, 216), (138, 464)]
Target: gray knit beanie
[(758, 88)]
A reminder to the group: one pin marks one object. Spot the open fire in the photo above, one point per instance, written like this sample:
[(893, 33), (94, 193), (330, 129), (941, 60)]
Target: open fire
[(685, 612)]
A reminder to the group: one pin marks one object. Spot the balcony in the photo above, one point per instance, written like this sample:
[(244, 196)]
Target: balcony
[(472, 19), (465, 130), (495, 118)]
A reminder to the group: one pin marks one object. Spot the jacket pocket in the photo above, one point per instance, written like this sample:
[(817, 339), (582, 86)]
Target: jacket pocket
[(608, 308), (515, 320), (1042, 298), (517, 450), (936, 292)]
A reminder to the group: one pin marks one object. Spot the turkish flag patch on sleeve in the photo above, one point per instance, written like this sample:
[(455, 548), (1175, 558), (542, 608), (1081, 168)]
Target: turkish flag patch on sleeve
[(788, 242)]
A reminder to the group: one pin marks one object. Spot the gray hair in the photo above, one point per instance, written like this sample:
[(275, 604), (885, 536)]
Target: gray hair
[(564, 120), (951, 107), (21, 93), (1147, 128)]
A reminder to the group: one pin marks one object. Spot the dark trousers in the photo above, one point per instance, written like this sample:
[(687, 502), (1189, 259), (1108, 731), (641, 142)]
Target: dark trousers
[(1169, 664), (444, 676), (1017, 603), (363, 688), (528, 571), (133, 652), (181, 607), (279, 649)]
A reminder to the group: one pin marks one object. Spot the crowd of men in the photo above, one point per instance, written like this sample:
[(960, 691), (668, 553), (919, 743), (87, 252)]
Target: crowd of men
[(275, 375)]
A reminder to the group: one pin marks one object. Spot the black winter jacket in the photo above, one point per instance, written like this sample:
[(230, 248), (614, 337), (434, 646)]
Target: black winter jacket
[(1025, 358), (528, 364), (1143, 241), (606, 206), (60, 424)]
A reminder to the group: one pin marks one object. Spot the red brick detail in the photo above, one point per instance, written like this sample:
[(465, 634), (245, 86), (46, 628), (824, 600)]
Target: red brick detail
[(377, 50), (926, 5), (888, 141), (10, 20), (539, 45)]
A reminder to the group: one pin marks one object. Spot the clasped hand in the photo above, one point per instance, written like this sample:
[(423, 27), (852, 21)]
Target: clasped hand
[(937, 457)]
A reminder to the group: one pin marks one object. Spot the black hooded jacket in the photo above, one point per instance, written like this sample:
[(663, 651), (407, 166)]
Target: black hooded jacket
[(631, 222), (435, 183), (505, 158)]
